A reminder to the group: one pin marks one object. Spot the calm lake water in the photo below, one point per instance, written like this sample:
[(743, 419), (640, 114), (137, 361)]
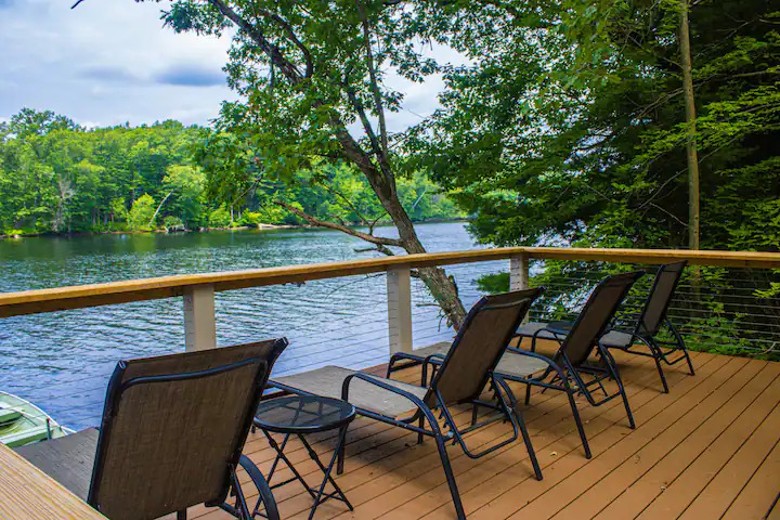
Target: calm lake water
[(61, 361)]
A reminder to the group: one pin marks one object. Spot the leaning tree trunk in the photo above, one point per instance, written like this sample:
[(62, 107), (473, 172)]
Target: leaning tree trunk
[(441, 287), (382, 181)]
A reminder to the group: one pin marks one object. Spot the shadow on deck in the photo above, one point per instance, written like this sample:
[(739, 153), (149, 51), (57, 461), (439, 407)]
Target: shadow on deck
[(708, 449)]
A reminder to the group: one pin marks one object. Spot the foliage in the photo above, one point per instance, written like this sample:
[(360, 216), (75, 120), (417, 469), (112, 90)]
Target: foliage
[(58, 177), (568, 124), (141, 215), (220, 218)]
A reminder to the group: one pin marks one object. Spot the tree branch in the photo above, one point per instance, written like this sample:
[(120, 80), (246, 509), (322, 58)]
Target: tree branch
[(275, 55), (293, 38), (314, 221), (369, 130), (380, 111), (352, 206)]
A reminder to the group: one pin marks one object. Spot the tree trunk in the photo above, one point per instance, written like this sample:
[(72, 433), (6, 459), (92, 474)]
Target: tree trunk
[(690, 119), (442, 288), (159, 207)]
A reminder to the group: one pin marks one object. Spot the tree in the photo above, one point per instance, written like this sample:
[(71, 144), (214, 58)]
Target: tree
[(306, 71), (691, 154), (568, 124), (185, 184), (142, 214)]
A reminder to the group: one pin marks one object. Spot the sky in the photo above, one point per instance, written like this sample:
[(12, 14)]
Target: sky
[(111, 61)]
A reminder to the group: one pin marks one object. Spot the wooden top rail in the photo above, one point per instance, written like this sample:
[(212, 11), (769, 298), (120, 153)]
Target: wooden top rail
[(81, 296), (26, 492)]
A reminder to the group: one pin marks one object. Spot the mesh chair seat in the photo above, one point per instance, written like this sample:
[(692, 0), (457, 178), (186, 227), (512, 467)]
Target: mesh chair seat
[(68, 460), (529, 329), (327, 381), (514, 364), (617, 339)]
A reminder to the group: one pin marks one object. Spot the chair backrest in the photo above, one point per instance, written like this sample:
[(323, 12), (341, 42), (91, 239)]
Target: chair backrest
[(596, 315), (174, 426), (659, 298), (479, 344)]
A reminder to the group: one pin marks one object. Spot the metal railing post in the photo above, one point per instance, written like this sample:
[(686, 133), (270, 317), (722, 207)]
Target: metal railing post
[(200, 327), (518, 273), (399, 309)]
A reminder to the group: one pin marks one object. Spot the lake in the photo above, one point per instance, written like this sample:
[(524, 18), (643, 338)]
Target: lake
[(61, 361)]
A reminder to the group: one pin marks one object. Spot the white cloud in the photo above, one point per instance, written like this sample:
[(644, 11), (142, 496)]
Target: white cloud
[(106, 63), (111, 62)]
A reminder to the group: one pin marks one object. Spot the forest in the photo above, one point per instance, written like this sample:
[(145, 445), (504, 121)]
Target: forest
[(57, 177)]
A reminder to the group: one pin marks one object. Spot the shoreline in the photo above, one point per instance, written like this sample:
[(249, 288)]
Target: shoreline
[(259, 227)]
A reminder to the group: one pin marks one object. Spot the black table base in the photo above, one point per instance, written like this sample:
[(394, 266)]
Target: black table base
[(317, 494), (299, 416)]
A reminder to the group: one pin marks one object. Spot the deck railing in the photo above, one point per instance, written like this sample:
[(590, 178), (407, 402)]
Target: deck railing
[(722, 308), (198, 290)]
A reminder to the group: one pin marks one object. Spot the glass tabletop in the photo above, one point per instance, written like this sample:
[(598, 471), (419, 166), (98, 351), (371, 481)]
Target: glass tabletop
[(303, 414)]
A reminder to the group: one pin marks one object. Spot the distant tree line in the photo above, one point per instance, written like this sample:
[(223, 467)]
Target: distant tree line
[(57, 177)]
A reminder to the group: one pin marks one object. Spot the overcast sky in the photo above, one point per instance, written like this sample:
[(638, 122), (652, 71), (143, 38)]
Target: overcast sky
[(111, 61)]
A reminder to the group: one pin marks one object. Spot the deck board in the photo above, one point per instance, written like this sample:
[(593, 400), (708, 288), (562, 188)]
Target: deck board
[(707, 449)]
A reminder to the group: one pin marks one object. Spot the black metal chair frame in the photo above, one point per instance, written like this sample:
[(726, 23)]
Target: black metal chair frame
[(571, 381), (229, 483), (425, 413), (646, 336), (569, 375)]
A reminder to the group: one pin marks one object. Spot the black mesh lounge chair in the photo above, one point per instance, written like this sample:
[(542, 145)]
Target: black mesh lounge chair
[(641, 335), (465, 371), (171, 436), (571, 368)]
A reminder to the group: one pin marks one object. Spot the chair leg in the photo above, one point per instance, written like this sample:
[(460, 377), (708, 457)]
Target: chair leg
[(658, 356), (528, 446), (630, 415), (681, 346), (420, 424), (688, 359), (527, 394), (612, 366), (657, 359), (578, 420), (342, 451), (181, 515), (445, 462), (390, 366)]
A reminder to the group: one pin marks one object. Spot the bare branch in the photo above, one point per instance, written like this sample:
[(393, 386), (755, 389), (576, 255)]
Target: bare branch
[(314, 221), (380, 249)]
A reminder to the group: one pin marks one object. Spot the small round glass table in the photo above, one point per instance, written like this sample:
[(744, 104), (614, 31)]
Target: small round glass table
[(301, 415)]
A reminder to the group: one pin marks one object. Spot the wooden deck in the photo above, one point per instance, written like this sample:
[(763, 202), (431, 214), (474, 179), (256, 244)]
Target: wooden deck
[(709, 449)]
